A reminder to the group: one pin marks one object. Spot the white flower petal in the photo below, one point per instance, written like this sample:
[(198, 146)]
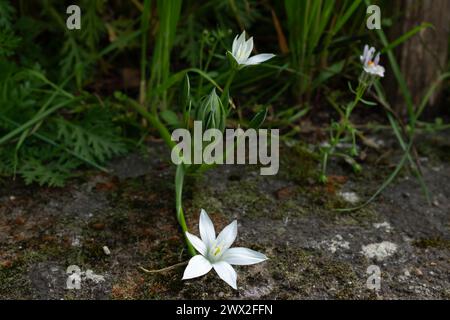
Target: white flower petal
[(241, 38), (380, 71), (235, 46), (238, 43), (241, 53), (196, 267), (366, 50), (207, 231), (226, 273), (197, 243), (364, 55), (369, 69), (375, 70), (227, 236), (259, 58), (243, 256), (377, 59), (248, 48), (367, 55)]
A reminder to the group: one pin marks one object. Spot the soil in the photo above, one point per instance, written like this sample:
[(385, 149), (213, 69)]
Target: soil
[(315, 250)]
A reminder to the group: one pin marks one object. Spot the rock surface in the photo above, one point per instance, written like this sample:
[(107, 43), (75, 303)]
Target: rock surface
[(314, 250)]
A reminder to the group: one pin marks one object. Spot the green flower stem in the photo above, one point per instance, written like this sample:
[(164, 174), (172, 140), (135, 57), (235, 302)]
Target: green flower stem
[(344, 126), (359, 94), (154, 121), (179, 182), (226, 89), (181, 170), (145, 24)]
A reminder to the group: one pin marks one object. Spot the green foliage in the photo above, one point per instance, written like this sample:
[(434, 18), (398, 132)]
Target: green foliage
[(344, 131), (93, 137), (93, 27), (47, 166), (8, 42), (7, 12), (211, 112), (45, 131), (312, 26), (55, 143), (169, 14), (80, 46), (62, 106)]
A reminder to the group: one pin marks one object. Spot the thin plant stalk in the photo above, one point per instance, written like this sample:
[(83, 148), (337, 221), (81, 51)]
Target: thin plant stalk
[(145, 22)]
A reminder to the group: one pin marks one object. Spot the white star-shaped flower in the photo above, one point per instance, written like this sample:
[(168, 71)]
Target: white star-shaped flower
[(216, 252), (242, 49)]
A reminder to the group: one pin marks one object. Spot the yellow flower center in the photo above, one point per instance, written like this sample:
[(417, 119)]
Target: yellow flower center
[(217, 251), (370, 63)]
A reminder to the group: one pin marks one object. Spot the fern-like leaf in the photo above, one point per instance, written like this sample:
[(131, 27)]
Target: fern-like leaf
[(53, 174), (96, 142)]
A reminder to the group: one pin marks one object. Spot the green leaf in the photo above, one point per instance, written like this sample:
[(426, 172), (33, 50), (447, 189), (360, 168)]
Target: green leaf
[(92, 138), (8, 42), (366, 102), (53, 174), (170, 118), (232, 60), (185, 97), (258, 119), (328, 73), (186, 100), (404, 37)]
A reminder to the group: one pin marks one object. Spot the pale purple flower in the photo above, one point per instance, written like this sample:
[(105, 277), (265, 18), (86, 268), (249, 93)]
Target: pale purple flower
[(371, 62)]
